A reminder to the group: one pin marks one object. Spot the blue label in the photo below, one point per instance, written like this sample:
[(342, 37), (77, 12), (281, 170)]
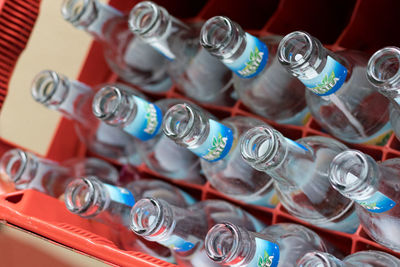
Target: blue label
[(218, 143), (378, 203), (267, 254), (147, 122), (120, 195), (329, 80), (290, 141), (253, 59), (177, 244)]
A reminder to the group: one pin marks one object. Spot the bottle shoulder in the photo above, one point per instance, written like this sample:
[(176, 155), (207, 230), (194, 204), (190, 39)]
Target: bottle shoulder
[(373, 258), (322, 142)]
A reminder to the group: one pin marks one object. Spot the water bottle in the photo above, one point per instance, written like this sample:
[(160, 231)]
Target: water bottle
[(184, 230), (358, 259), (340, 97), (261, 83), (142, 120), (73, 100), (25, 170), (279, 245), (195, 72), (216, 143), (375, 188), (383, 73), (129, 57), (300, 173)]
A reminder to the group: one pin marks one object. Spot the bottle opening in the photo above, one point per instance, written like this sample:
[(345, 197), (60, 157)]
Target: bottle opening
[(146, 216), (79, 195), (295, 49), (315, 259), (216, 33), (178, 121), (73, 10), (13, 164), (106, 102), (221, 242), (143, 17), (44, 86), (384, 66)]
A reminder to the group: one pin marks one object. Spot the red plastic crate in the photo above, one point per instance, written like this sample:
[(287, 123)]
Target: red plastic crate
[(357, 24)]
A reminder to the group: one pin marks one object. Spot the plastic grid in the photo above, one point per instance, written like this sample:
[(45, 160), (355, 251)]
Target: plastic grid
[(355, 24)]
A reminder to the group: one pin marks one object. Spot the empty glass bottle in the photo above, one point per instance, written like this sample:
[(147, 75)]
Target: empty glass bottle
[(217, 145), (73, 100), (184, 230), (129, 57), (383, 73), (339, 97), (142, 119), (261, 83), (195, 72), (280, 245), (300, 173), (25, 170), (375, 187), (359, 259)]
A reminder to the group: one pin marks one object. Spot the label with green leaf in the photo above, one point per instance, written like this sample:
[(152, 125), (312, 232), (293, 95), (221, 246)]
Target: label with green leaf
[(378, 203), (266, 255)]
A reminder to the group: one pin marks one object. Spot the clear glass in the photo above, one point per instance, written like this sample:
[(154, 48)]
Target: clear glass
[(355, 113), (25, 170), (118, 107), (195, 72), (358, 177), (89, 198), (300, 173), (272, 93), (383, 72), (370, 258), (184, 230), (231, 245), (129, 57), (189, 126), (73, 100)]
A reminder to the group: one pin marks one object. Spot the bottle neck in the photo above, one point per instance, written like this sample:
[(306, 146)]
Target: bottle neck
[(321, 259), (191, 127), (21, 167), (57, 92), (383, 71), (305, 58), (243, 53), (121, 108), (158, 28), (86, 197), (89, 15), (265, 149)]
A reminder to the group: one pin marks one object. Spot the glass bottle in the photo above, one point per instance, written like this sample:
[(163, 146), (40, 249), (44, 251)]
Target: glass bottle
[(358, 259), (339, 97), (383, 72), (280, 245), (142, 119), (184, 230), (300, 173), (375, 188), (129, 57), (195, 72), (216, 143), (73, 100), (261, 83), (25, 170)]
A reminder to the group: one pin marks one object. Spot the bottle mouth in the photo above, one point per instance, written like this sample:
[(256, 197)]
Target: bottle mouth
[(143, 17), (216, 33), (222, 242), (74, 11), (80, 196), (315, 259), (295, 49), (44, 87), (13, 164), (384, 67), (146, 216), (106, 103), (178, 121)]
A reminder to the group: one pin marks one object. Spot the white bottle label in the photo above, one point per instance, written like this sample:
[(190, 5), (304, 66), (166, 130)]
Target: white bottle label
[(267, 254), (378, 203), (120, 195)]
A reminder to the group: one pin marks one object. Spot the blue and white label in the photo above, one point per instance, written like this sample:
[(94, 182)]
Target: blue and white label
[(378, 203), (290, 141), (218, 143), (267, 254), (329, 80), (120, 195), (177, 243), (253, 59), (147, 122)]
